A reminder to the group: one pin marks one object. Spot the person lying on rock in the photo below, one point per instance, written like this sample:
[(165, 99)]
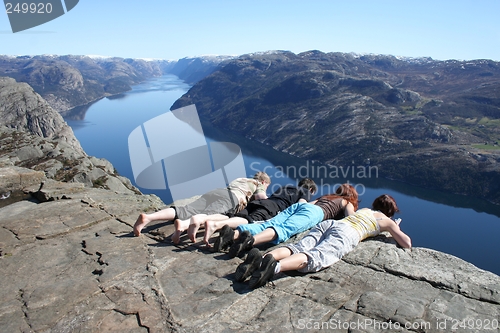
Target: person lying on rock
[(295, 219), (215, 204), (325, 244), (263, 209)]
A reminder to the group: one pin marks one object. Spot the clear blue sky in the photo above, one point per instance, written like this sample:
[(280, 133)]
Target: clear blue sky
[(169, 29)]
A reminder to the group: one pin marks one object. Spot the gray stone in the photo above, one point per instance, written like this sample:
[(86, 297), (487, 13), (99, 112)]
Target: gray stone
[(15, 177), (23, 109), (51, 167), (103, 164), (116, 185), (69, 263), (72, 265), (53, 159), (28, 153)]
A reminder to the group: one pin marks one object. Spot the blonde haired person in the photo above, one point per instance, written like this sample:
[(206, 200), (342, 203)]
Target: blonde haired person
[(215, 203)]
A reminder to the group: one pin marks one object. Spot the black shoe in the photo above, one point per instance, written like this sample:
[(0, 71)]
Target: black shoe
[(265, 273), (250, 265), (225, 239), (242, 244)]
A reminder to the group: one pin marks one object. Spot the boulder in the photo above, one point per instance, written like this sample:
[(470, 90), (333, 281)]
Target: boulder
[(72, 264)]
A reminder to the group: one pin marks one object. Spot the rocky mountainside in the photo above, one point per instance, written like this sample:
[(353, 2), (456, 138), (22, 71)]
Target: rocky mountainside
[(33, 135), (431, 123), (69, 261), (192, 70), (23, 109), (69, 81)]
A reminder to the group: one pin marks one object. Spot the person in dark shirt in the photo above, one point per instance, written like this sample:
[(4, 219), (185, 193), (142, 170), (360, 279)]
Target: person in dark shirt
[(263, 209), (295, 219)]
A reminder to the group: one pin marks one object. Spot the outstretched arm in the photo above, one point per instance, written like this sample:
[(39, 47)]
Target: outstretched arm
[(393, 228)]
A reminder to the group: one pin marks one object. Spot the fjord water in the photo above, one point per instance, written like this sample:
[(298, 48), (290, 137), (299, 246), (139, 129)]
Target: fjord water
[(463, 226)]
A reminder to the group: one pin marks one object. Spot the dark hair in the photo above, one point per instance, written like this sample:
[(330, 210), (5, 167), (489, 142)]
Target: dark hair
[(308, 184), (386, 204)]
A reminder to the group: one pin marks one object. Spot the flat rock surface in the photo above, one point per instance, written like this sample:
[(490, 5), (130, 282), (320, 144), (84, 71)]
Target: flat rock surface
[(71, 264)]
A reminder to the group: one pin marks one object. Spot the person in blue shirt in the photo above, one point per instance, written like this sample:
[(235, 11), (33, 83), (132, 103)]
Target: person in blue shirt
[(261, 210)]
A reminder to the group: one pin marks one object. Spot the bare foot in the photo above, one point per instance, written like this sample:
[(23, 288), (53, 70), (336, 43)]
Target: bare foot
[(141, 222), (180, 226), (176, 236), (192, 230), (210, 228)]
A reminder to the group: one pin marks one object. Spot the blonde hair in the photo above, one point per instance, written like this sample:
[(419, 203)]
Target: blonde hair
[(263, 177)]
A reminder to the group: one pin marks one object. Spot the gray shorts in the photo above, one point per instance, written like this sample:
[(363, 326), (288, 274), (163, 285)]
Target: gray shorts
[(326, 244), (219, 201)]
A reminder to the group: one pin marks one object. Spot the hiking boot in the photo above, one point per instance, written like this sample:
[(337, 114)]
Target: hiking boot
[(225, 239), (242, 244), (265, 273), (250, 265)]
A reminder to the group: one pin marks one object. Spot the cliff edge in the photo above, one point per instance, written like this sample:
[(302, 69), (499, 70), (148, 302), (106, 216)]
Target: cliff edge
[(69, 263)]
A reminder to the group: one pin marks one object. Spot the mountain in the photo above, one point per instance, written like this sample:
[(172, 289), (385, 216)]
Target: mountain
[(70, 263), (418, 120), (35, 136), (24, 110), (68, 81), (71, 80), (422, 121), (193, 69)]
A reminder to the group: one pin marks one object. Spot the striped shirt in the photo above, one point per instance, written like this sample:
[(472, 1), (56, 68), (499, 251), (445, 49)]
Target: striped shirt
[(364, 222)]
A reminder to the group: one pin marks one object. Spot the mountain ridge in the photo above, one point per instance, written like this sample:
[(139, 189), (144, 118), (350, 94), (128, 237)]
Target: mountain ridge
[(35, 136), (70, 261), (421, 124), (68, 81), (393, 112)]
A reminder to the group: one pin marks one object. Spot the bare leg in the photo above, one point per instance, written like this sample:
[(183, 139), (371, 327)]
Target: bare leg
[(294, 262), (236, 234), (212, 226), (166, 214), (280, 253), (180, 226), (269, 234), (269, 266)]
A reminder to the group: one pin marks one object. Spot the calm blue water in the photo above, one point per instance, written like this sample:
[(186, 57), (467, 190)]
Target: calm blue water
[(463, 226)]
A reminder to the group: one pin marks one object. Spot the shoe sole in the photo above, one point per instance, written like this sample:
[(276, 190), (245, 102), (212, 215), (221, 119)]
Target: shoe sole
[(251, 263), (225, 239), (264, 274), (243, 243)]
